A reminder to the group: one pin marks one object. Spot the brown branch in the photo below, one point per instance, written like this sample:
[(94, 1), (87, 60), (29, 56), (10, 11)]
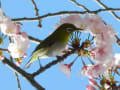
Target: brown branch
[(16, 76), (23, 73), (64, 12), (0, 3), (35, 39), (59, 59), (37, 12), (35, 7), (76, 3), (18, 82), (118, 40), (104, 6), (6, 50)]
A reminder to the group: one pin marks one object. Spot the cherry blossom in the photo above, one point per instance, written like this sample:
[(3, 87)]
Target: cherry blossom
[(93, 71), (19, 46), (107, 86), (103, 54), (73, 19), (2, 57), (117, 59), (90, 87), (9, 28), (93, 82), (18, 63), (2, 16), (66, 68)]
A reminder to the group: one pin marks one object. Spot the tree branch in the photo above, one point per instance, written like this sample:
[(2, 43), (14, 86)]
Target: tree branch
[(37, 12), (64, 12), (18, 82), (118, 40), (59, 59), (35, 40), (76, 3), (23, 73), (16, 75), (104, 6)]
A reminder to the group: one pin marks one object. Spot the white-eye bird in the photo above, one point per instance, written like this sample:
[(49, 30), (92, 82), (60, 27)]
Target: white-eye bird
[(54, 44)]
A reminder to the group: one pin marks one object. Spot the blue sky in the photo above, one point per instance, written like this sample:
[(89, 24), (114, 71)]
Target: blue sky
[(53, 78)]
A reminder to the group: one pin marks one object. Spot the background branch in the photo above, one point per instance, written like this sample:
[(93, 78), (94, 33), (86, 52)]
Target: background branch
[(63, 13), (37, 12), (104, 6), (59, 59), (18, 82), (34, 39), (16, 75), (79, 5)]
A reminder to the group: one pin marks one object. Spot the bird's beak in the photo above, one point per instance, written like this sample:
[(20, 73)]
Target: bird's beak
[(81, 29)]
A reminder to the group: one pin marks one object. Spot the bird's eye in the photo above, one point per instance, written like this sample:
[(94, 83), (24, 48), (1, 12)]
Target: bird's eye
[(69, 29)]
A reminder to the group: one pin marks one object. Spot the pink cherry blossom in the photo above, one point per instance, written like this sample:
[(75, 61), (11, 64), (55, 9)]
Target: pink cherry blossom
[(83, 70), (74, 19), (18, 63), (9, 28), (117, 59), (90, 87), (103, 53), (93, 71), (19, 46), (93, 83), (107, 86), (2, 57), (65, 68), (2, 16), (93, 23)]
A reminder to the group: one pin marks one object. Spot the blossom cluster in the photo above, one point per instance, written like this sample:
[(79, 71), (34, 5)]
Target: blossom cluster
[(19, 41), (102, 53)]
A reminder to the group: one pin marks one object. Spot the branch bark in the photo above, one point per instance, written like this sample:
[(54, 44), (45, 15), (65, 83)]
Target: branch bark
[(104, 6), (59, 59), (64, 12), (37, 12)]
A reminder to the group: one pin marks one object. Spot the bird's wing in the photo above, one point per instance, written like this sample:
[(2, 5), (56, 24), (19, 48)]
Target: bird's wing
[(48, 42)]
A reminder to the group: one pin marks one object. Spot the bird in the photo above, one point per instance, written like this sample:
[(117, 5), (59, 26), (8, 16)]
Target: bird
[(54, 44)]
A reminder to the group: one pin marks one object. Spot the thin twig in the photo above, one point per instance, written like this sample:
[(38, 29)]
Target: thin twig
[(0, 4), (35, 7), (104, 6), (35, 40), (18, 82), (6, 50), (118, 40), (37, 12), (76, 3), (16, 76), (64, 12)]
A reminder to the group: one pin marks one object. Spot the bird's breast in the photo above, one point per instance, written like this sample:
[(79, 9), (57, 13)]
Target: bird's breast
[(56, 49)]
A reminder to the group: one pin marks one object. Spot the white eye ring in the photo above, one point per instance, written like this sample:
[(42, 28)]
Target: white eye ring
[(68, 29)]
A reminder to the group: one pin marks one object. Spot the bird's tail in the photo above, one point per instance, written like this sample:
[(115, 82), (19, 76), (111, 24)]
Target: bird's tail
[(28, 64), (34, 57)]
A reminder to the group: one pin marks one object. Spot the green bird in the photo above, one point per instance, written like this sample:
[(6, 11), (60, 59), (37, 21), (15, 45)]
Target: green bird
[(54, 44)]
